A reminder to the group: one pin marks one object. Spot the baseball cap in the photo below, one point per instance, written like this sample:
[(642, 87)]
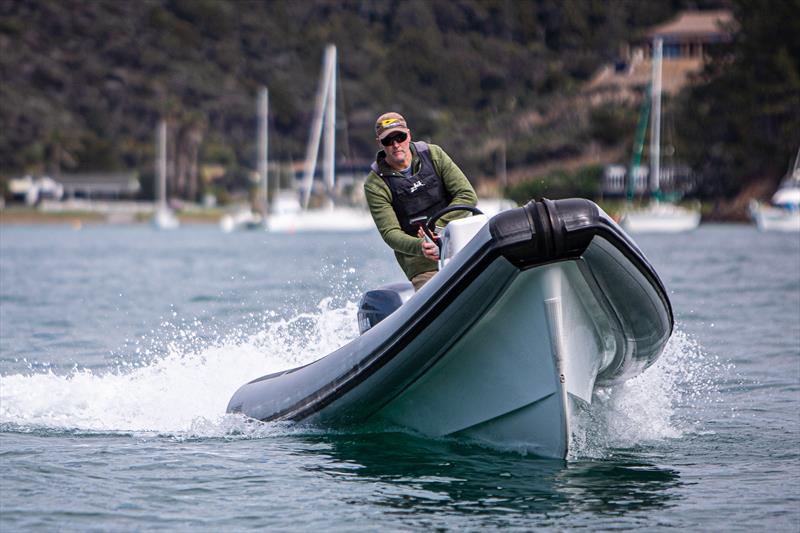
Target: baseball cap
[(389, 123)]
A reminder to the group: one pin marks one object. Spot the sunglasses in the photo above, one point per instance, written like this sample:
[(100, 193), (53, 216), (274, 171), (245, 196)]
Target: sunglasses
[(399, 137)]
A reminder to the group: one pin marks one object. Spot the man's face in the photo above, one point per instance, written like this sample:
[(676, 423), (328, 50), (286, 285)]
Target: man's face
[(398, 153)]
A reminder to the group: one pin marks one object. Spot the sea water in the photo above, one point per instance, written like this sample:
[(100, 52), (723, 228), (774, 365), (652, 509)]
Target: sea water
[(120, 347)]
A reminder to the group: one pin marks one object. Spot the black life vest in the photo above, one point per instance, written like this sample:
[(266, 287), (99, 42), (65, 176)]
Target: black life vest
[(421, 194)]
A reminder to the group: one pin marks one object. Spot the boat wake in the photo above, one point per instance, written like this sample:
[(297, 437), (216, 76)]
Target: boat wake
[(181, 391)]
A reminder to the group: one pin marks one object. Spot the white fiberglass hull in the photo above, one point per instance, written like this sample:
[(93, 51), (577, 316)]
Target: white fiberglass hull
[(661, 218), (775, 219), (240, 221), (165, 219), (345, 219)]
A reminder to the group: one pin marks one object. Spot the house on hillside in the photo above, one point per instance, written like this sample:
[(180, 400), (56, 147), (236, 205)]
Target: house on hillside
[(687, 40), (690, 34)]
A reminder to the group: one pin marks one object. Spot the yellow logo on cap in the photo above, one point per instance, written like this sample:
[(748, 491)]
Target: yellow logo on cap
[(388, 122)]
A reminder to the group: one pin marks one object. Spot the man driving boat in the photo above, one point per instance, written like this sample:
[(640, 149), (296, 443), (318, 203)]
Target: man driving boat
[(409, 182)]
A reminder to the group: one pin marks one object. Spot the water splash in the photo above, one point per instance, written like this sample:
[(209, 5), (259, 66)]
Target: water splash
[(182, 389), (664, 402)]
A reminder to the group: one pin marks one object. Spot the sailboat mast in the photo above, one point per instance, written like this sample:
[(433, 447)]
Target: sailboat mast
[(263, 140), (655, 131), (638, 144), (161, 164), (312, 149), (330, 121)]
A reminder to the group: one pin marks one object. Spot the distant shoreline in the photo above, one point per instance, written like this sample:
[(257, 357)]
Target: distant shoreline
[(19, 215), (23, 216)]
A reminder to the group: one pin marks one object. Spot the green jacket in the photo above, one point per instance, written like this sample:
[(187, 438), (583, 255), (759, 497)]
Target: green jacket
[(407, 249)]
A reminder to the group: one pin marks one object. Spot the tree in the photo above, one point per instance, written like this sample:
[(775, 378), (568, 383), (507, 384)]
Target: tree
[(742, 122)]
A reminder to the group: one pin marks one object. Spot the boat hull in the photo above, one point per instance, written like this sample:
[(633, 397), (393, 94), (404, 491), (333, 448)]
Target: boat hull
[(164, 219), (661, 218), (336, 219), (775, 219), (241, 220), (545, 303)]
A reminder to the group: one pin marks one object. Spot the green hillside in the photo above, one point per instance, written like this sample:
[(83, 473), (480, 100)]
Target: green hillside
[(84, 83)]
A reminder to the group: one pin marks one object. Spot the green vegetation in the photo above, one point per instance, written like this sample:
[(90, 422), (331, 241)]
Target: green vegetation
[(610, 123), (560, 184), (84, 84), (742, 121)]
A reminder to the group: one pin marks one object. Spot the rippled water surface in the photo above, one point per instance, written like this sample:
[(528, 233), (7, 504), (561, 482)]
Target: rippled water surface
[(120, 347)]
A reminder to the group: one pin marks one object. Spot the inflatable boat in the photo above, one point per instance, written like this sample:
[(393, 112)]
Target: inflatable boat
[(530, 312)]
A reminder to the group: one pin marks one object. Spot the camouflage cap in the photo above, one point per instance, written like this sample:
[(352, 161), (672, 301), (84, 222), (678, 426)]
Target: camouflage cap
[(389, 123)]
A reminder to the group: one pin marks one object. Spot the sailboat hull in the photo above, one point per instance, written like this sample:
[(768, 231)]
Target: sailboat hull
[(661, 218), (164, 219), (545, 303), (769, 218), (344, 219), (784, 214)]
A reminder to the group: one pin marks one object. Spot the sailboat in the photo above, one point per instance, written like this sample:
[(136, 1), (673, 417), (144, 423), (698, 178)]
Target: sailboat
[(784, 213), (291, 216), (163, 217), (658, 216), (248, 218)]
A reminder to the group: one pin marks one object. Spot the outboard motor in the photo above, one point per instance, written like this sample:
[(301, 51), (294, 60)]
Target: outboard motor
[(379, 303)]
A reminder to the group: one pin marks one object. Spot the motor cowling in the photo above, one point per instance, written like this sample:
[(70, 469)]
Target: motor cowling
[(377, 304)]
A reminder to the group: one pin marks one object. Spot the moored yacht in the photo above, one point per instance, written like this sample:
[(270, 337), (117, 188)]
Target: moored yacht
[(784, 212), (657, 216), (296, 216)]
